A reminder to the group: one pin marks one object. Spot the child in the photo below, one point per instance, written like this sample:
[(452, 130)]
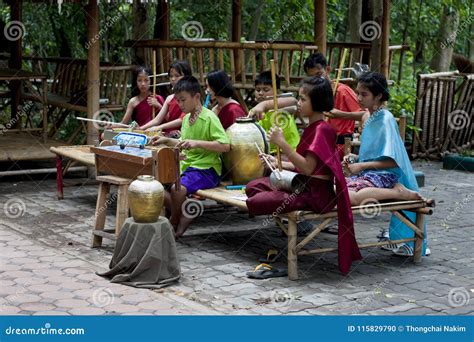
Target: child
[(314, 157), (139, 107), (203, 139), (345, 100), (383, 170), (220, 87), (170, 117), (267, 119)]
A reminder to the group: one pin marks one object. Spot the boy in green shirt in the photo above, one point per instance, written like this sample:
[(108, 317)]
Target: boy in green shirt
[(267, 118), (203, 139)]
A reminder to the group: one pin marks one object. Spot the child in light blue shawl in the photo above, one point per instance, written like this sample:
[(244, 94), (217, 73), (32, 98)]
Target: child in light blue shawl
[(382, 171)]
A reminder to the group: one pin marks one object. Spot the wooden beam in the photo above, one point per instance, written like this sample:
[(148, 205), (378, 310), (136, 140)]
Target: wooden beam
[(93, 66), (384, 65), (15, 60), (320, 23), (236, 34)]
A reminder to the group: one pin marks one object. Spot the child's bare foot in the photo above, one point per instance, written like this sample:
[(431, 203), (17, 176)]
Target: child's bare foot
[(406, 194), (184, 223)]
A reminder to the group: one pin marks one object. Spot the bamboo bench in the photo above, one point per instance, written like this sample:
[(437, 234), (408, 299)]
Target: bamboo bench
[(295, 248)]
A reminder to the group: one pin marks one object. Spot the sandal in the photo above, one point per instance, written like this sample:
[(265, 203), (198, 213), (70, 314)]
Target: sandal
[(265, 271), (332, 229), (406, 250)]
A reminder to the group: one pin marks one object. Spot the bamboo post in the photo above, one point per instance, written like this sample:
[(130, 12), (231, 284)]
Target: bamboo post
[(275, 105), (154, 82)]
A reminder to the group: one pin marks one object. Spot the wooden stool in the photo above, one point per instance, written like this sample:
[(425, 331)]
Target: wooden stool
[(98, 231)]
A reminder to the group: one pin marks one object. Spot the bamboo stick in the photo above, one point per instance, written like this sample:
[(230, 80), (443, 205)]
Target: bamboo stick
[(275, 106), (154, 82), (339, 71)]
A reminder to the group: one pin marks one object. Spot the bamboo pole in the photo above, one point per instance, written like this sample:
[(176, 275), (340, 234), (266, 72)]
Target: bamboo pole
[(339, 71), (154, 82), (275, 105)]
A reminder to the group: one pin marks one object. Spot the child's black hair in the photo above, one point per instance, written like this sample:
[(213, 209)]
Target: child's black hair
[(182, 67), (313, 60), (376, 83), (319, 91), (220, 83), (188, 84), (265, 78)]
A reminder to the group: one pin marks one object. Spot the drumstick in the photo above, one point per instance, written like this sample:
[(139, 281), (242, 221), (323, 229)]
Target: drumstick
[(102, 122), (275, 105), (159, 75), (154, 81), (270, 166)]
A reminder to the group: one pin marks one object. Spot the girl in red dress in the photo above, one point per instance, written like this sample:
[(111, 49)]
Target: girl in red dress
[(220, 87), (316, 158), (170, 117)]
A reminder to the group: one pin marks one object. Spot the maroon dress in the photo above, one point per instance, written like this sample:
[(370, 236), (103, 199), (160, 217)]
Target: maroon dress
[(143, 112), (318, 139), (174, 112), (229, 113)]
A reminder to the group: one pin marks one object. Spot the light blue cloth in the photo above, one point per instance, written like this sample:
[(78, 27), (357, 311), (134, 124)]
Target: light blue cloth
[(380, 140)]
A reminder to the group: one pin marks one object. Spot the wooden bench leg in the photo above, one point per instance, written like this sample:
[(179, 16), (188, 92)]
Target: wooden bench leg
[(100, 212), (122, 208), (292, 256), (418, 251), (59, 177)]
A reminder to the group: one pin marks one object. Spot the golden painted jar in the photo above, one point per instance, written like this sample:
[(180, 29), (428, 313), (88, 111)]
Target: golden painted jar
[(145, 198), (242, 161)]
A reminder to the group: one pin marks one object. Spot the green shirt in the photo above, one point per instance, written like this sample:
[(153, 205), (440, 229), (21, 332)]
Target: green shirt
[(207, 127), (286, 122)]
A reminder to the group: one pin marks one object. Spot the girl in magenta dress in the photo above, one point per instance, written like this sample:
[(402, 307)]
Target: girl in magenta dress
[(220, 87), (317, 159), (170, 117)]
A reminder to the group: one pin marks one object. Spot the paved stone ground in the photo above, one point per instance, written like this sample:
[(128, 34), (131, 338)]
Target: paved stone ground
[(47, 266)]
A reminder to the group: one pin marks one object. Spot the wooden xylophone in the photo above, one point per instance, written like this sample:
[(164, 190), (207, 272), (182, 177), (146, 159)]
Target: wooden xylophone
[(130, 162)]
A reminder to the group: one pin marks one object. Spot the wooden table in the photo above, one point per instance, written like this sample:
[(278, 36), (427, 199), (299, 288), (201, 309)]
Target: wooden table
[(24, 75), (81, 154)]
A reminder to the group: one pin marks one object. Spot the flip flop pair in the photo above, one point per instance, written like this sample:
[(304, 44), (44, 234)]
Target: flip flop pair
[(272, 256)]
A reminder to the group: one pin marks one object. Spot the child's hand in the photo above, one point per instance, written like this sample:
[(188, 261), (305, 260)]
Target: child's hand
[(352, 169), (187, 144), (350, 158), (257, 112), (152, 101), (271, 159), (275, 135)]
